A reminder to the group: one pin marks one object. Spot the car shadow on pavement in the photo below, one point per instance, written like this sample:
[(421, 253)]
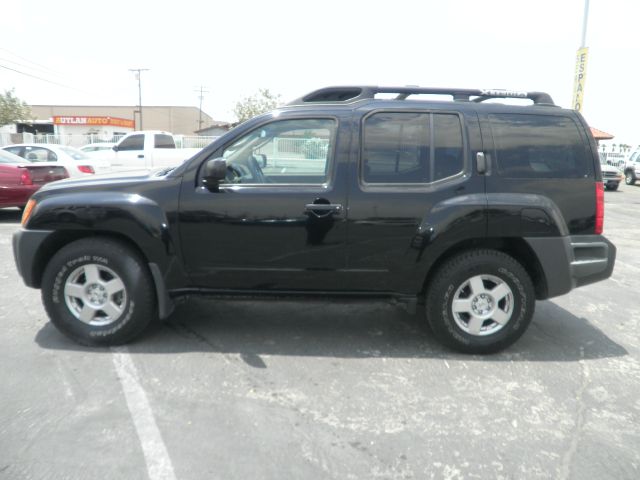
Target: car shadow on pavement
[(10, 215), (342, 329)]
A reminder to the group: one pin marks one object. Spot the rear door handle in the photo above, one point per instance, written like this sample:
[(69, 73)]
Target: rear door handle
[(481, 162), (323, 209), (140, 156)]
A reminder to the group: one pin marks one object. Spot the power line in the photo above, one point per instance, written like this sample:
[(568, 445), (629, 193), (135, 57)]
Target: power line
[(43, 79), (202, 90), (41, 67), (37, 69)]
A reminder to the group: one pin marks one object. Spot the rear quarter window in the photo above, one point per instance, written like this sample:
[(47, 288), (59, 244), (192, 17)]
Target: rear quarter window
[(539, 146), (163, 141)]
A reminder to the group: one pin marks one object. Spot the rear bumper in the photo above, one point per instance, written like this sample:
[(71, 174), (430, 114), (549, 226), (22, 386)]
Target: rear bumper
[(18, 197), (573, 261)]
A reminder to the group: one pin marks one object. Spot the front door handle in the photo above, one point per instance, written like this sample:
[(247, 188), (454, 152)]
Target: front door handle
[(140, 156), (323, 209)]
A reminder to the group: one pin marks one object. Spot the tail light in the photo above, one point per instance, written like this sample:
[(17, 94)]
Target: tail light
[(25, 177), (599, 208), (86, 169)]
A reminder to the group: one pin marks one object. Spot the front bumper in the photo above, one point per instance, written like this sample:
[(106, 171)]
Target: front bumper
[(26, 246), (573, 261)]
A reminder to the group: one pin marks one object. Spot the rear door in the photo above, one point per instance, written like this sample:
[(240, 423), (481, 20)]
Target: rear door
[(278, 222), (413, 189)]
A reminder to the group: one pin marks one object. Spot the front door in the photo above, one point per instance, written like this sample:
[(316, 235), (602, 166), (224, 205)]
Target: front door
[(130, 154), (278, 221)]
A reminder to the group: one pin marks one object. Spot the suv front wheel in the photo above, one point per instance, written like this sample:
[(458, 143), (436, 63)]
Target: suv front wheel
[(98, 291), (629, 177), (480, 301)]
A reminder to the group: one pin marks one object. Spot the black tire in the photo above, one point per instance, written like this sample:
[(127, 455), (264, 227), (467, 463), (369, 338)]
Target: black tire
[(452, 282), (613, 187), (131, 308), (629, 177)]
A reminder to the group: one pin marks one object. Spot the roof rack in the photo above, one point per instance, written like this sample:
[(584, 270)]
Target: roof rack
[(350, 94)]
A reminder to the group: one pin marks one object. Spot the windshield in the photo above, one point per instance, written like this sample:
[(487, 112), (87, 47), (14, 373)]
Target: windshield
[(75, 153), (6, 157)]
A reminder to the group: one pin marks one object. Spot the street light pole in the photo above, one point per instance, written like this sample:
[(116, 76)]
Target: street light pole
[(138, 71), (585, 20)]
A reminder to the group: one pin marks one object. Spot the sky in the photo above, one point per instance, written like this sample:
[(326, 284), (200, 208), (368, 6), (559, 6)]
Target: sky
[(82, 51)]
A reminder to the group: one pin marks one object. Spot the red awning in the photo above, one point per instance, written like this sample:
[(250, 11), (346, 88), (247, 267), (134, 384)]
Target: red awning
[(600, 135)]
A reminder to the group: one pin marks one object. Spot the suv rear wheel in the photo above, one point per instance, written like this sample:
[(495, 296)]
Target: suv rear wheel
[(98, 291), (480, 301)]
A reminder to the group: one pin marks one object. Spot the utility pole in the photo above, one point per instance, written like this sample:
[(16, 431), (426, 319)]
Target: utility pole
[(581, 63), (138, 71), (202, 90)]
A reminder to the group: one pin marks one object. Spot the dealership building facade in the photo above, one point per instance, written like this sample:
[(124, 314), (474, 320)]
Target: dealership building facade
[(89, 119)]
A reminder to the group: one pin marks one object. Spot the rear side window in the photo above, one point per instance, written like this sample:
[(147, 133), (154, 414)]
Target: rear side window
[(411, 148), (534, 146), (134, 142), (39, 154), (164, 141), (15, 150)]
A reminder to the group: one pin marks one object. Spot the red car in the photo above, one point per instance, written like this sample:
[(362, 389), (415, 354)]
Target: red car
[(19, 178)]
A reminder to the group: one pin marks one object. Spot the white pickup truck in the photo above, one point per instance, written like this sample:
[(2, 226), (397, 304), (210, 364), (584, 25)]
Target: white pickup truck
[(145, 150), (632, 168)]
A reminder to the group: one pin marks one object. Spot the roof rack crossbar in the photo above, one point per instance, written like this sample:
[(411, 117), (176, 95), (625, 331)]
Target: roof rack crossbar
[(358, 92)]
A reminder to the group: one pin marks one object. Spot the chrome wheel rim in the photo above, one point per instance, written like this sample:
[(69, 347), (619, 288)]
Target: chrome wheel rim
[(95, 295), (482, 305)]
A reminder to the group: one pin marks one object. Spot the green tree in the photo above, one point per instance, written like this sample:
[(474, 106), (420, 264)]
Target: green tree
[(261, 102), (12, 109)]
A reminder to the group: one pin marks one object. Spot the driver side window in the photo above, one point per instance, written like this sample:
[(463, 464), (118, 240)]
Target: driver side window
[(290, 152)]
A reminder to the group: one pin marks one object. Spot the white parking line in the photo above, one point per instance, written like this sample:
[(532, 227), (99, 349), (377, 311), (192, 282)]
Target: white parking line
[(159, 466)]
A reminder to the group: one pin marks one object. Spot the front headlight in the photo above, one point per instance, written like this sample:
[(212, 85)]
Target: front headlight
[(27, 211)]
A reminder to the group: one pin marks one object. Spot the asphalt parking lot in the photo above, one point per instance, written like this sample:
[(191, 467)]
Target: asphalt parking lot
[(318, 390)]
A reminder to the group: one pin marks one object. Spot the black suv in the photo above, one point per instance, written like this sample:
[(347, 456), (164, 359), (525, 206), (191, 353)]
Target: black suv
[(473, 207)]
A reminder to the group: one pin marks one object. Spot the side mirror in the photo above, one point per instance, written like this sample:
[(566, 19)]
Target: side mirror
[(115, 148), (215, 170)]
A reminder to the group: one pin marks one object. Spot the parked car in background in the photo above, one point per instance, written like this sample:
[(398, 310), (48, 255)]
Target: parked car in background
[(632, 168), (611, 176), (19, 179), (147, 150), (97, 147), (77, 163)]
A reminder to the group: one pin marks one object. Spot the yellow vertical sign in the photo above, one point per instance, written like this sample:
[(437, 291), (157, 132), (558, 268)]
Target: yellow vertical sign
[(581, 75)]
